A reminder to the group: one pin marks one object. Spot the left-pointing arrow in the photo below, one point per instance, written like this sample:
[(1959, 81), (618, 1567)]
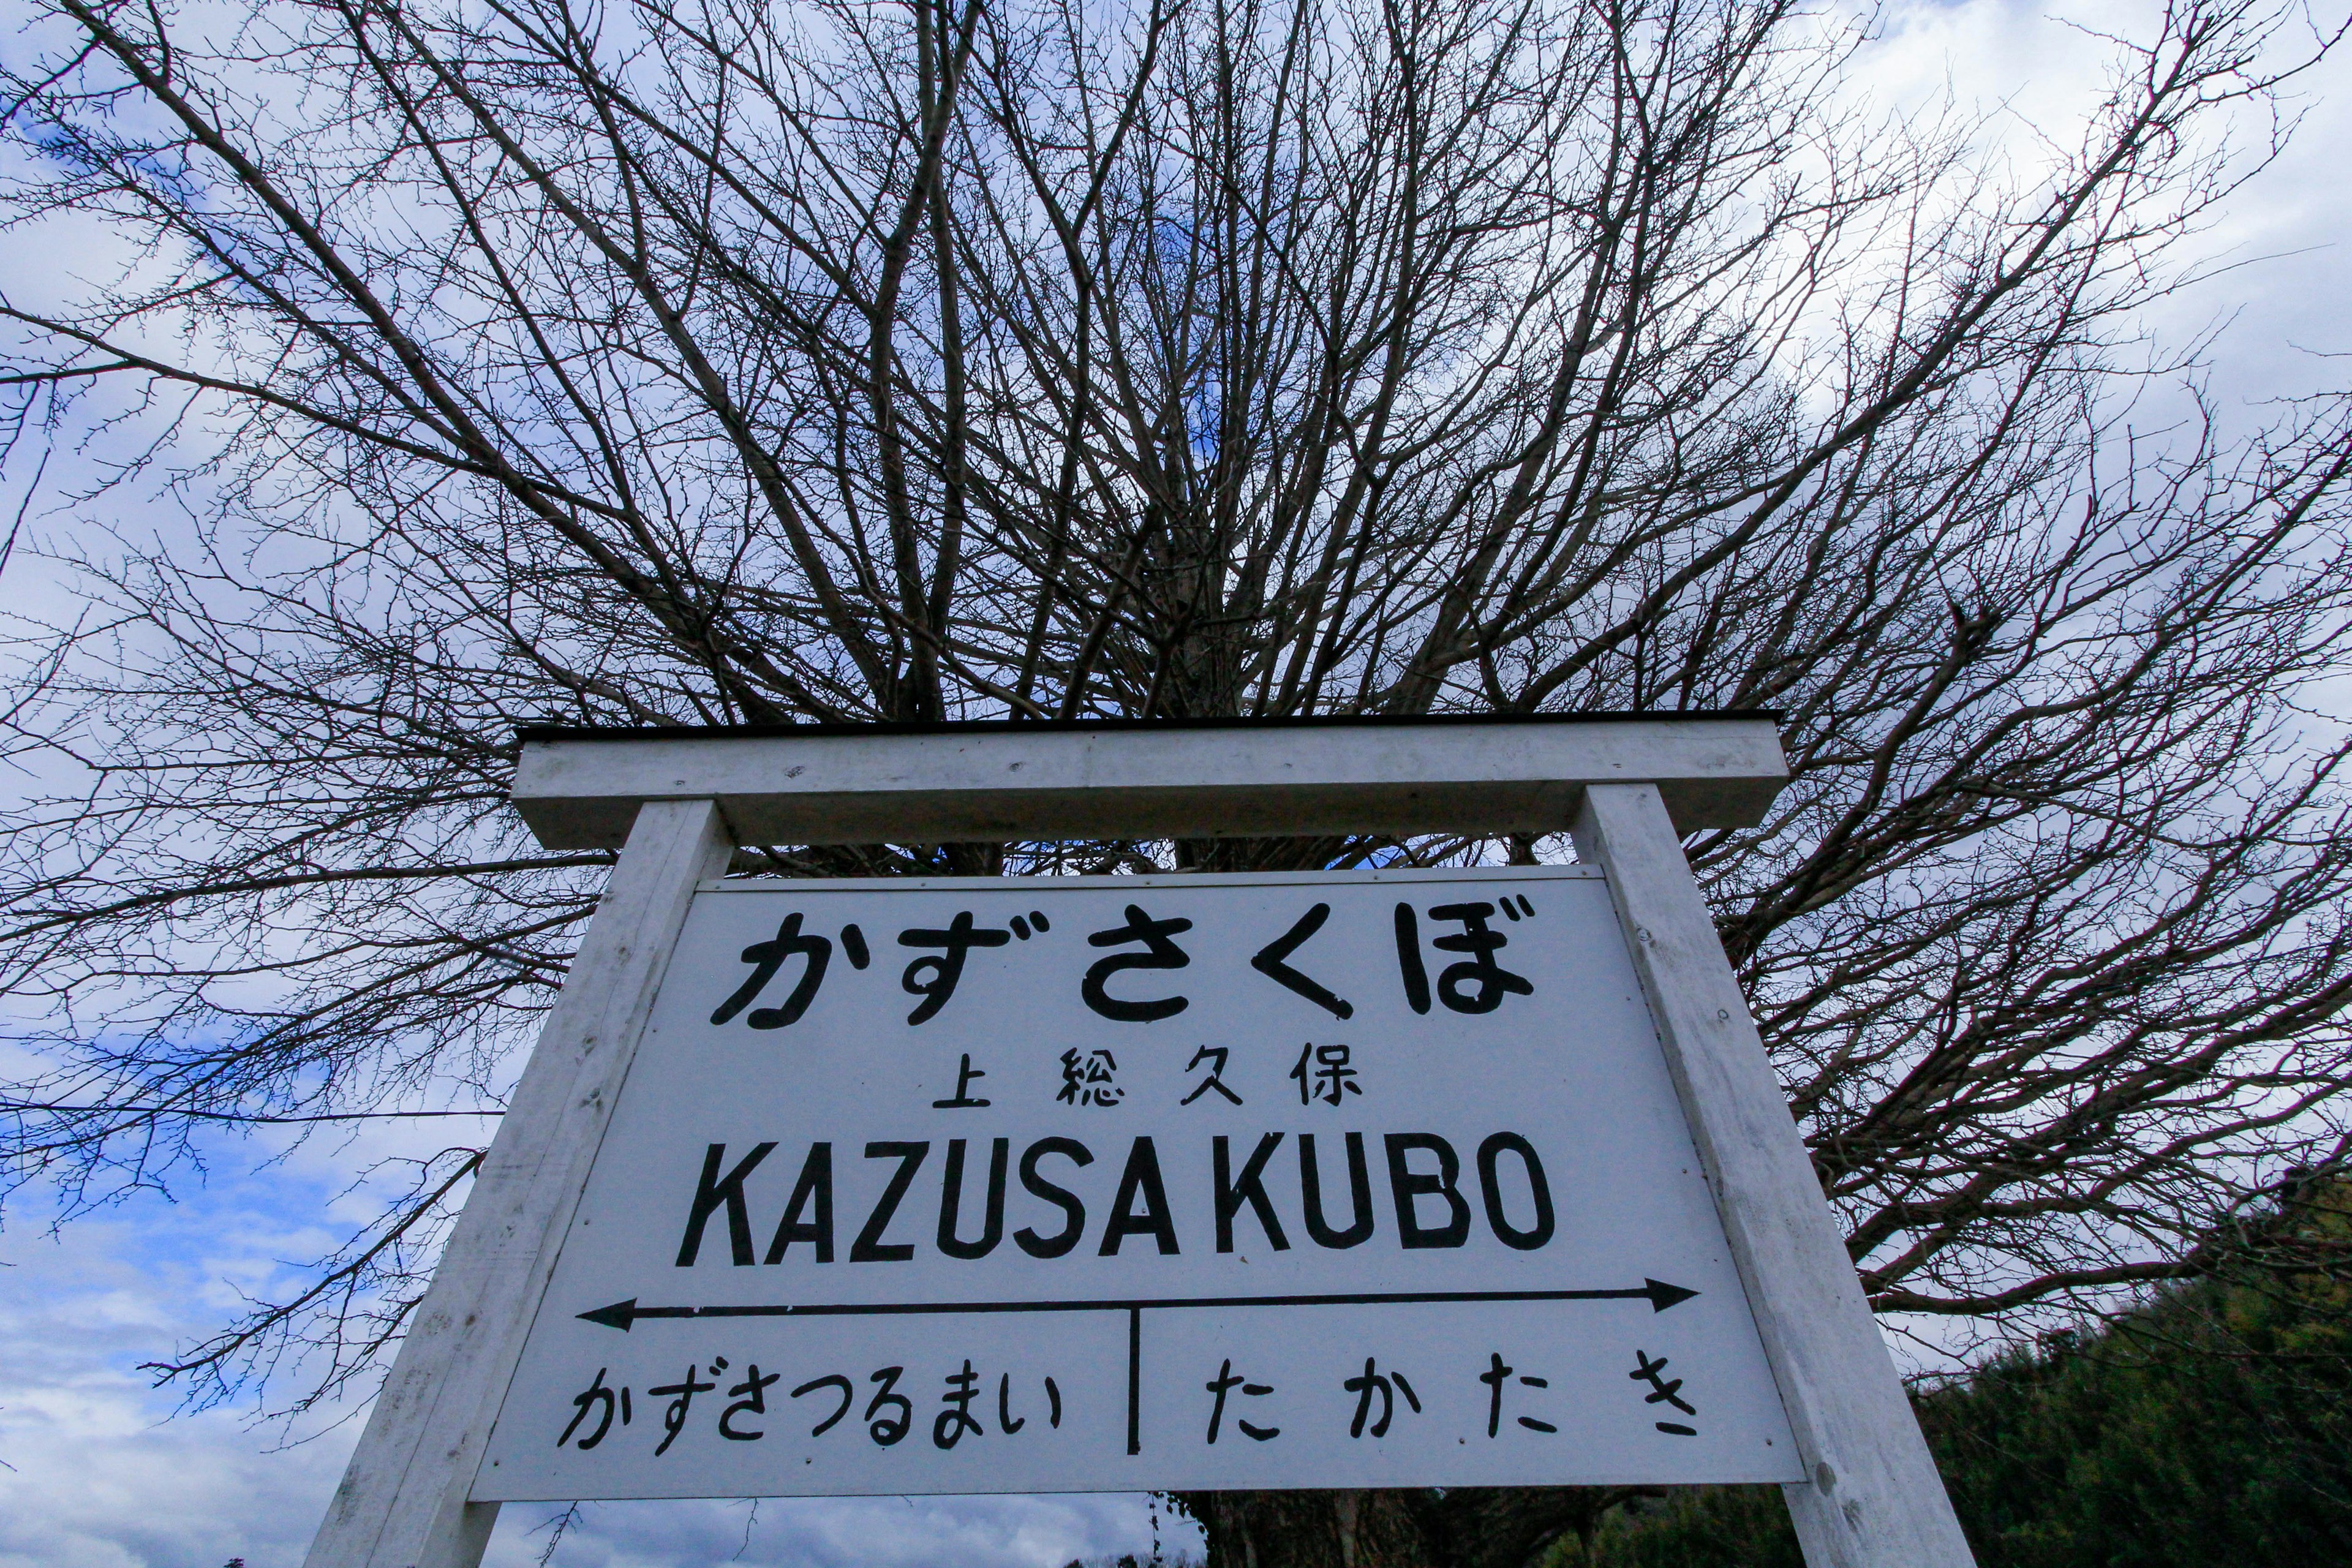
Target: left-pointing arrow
[(619, 1315)]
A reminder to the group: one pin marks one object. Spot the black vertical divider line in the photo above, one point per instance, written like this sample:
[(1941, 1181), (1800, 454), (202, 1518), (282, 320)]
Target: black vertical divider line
[(1135, 1380)]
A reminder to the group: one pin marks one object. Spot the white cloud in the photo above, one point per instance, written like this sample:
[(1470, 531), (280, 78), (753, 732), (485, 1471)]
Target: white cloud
[(2042, 68), (867, 1532), (101, 1474)]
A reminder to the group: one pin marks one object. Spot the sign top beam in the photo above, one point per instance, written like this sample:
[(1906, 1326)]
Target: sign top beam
[(998, 780)]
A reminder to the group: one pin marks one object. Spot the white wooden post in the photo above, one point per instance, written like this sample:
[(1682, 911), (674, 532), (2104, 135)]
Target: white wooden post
[(1876, 1500), (403, 1500)]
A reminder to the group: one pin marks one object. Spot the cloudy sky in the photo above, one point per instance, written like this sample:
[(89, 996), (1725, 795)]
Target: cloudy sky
[(97, 1470)]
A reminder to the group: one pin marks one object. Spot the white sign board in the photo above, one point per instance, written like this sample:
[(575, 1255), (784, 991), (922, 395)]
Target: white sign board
[(1051, 1184)]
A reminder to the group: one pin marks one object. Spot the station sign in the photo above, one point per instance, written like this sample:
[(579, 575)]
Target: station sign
[(1346, 1180)]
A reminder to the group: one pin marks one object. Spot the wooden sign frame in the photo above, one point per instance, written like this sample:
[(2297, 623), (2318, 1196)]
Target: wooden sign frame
[(677, 802)]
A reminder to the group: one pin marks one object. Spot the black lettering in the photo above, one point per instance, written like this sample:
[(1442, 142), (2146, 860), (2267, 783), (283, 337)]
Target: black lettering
[(1250, 1189), (1360, 1189), (934, 978), (1078, 1155), (841, 1385), (1477, 984), (868, 1248), (1492, 1189), (714, 1190), (1273, 961), (1409, 967), (887, 1429), (1141, 1176), (951, 1201), (766, 958), (1408, 1186), (1159, 953), (814, 1188)]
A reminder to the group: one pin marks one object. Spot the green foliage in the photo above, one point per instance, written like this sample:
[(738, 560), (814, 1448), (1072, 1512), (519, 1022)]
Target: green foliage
[(2213, 1424), (1710, 1527)]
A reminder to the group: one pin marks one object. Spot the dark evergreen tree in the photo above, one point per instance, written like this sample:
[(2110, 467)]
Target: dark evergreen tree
[(2214, 1426)]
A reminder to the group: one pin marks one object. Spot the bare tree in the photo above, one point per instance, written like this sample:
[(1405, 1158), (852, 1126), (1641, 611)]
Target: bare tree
[(739, 363)]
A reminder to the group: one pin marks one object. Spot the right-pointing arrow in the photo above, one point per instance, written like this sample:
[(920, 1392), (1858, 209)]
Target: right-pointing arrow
[(1663, 1295)]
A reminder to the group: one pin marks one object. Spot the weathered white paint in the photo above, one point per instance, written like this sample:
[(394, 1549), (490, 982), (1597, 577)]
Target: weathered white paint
[(1132, 1332), (403, 1503), (1631, 784), (1035, 781), (1875, 1501)]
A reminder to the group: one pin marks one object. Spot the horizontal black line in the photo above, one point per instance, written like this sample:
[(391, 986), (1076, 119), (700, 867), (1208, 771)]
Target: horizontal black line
[(863, 1309)]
